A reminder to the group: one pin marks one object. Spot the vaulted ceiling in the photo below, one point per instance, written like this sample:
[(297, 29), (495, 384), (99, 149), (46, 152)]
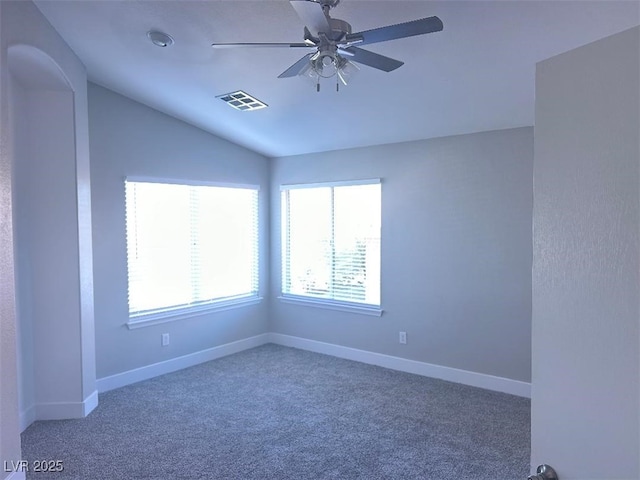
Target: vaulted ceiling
[(477, 74)]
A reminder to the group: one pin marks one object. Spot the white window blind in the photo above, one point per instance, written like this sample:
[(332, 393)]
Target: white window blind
[(189, 245), (331, 242)]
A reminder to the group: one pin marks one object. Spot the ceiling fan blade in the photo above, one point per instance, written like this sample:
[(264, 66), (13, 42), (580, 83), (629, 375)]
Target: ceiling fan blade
[(371, 59), (298, 67), (312, 16), (261, 45), (400, 30)]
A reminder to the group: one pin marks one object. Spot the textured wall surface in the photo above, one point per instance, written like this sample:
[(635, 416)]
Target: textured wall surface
[(49, 149), (129, 139), (456, 251), (585, 386), (24, 27), (9, 425)]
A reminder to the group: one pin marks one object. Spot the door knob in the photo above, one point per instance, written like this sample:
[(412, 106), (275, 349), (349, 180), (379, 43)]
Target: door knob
[(544, 472)]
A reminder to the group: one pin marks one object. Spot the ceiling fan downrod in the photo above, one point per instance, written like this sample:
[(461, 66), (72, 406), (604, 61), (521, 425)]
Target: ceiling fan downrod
[(327, 4)]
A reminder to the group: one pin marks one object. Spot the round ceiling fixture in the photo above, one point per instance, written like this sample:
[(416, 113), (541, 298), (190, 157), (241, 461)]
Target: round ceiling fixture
[(160, 39)]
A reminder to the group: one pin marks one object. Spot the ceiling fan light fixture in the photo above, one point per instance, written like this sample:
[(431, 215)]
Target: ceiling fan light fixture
[(308, 72), (310, 75), (326, 66), (347, 71)]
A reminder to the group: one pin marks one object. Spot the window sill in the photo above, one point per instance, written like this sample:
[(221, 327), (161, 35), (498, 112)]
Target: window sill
[(155, 318), (332, 305)]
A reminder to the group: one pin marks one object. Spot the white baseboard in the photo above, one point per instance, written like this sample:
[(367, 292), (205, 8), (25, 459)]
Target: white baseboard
[(66, 410), (474, 379), (27, 417), (16, 476), (90, 403), (144, 373), (58, 411)]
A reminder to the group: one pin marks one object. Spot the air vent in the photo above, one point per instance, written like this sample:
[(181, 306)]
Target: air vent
[(242, 101)]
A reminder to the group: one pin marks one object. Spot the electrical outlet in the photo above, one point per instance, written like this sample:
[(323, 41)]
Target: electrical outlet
[(165, 339), (402, 338)]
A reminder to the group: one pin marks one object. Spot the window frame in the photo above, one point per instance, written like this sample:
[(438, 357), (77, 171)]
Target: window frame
[(172, 313), (318, 302)]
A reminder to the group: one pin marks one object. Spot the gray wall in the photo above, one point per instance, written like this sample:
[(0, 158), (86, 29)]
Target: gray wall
[(52, 223), (128, 138), (53, 235), (586, 264), (456, 251), (9, 424)]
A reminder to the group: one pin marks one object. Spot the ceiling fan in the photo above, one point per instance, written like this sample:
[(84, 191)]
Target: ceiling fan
[(335, 47)]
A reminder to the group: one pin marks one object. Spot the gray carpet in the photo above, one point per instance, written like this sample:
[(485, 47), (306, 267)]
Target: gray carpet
[(280, 413)]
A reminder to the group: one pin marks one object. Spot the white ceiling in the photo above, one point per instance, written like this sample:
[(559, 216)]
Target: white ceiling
[(475, 75)]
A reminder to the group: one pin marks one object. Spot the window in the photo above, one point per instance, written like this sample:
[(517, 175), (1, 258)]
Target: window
[(331, 244), (190, 247)]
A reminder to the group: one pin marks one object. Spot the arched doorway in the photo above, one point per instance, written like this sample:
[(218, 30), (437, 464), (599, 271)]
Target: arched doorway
[(55, 357)]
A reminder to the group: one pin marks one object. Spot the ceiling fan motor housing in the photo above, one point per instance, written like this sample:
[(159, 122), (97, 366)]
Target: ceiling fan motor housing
[(327, 59), (339, 28)]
